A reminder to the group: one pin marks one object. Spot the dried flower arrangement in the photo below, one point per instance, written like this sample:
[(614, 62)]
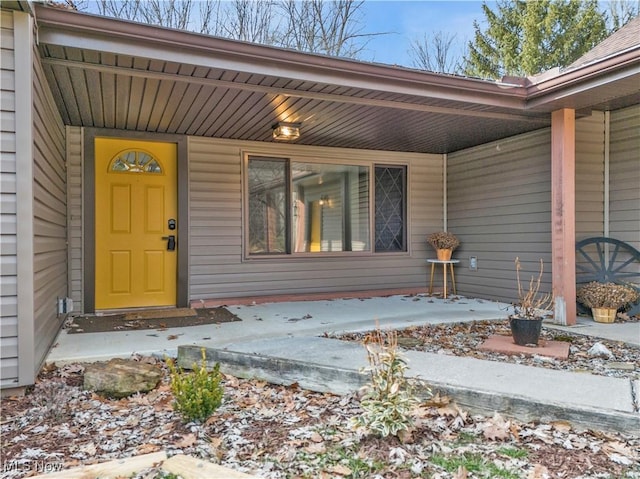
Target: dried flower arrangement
[(443, 240), (606, 295), (531, 303)]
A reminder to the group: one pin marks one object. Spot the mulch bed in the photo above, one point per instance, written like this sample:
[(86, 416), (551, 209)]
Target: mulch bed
[(465, 339), (278, 432), (151, 319)]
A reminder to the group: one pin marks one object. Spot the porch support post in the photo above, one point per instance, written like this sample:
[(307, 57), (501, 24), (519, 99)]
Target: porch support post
[(563, 261)]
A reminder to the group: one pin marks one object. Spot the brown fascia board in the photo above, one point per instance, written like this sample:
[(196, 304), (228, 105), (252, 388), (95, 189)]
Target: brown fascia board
[(592, 75), (57, 24), (17, 5)]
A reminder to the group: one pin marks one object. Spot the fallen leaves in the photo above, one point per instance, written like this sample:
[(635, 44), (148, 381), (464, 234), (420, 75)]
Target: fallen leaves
[(89, 449), (340, 470), (461, 473), (539, 472), (277, 431), (497, 429), (463, 339), (186, 441), (620, 453)]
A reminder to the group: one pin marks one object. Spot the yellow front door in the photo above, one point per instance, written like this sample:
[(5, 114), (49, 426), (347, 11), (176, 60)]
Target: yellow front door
[(136, 214)]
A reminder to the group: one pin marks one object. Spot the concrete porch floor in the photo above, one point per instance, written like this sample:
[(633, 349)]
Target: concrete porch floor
[(307, 318), (278, 319)]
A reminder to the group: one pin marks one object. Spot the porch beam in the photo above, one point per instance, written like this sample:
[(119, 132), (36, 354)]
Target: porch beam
[(563, 261)]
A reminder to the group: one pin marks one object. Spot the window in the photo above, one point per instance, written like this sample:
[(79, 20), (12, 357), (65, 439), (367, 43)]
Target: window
[(330, 207), (135, 161), (304, 207), (268, 198), (390, 204)]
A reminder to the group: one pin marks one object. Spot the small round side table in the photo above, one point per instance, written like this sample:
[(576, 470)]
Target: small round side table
[(448, 264)]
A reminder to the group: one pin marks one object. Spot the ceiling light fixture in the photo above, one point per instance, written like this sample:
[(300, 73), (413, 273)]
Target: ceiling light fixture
[(286, 131)]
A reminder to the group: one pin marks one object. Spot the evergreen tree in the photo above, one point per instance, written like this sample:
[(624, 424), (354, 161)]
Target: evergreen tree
[(528, 37)]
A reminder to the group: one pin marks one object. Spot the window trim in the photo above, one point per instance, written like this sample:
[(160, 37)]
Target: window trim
[(320, 159)]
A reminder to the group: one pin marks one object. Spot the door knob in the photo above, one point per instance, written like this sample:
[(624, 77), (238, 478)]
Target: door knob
[(171, 242)]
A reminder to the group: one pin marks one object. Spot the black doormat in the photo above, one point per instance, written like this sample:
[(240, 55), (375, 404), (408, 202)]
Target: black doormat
[(151, 319)]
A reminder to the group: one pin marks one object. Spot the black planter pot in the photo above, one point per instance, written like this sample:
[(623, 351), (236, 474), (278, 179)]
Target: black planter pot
[(525, 331)]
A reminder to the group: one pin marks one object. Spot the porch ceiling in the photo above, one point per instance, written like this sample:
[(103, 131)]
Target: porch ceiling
[(107, 73)]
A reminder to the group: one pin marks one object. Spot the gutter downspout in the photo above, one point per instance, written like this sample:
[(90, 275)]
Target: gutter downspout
[(445, 207), (607, 187)]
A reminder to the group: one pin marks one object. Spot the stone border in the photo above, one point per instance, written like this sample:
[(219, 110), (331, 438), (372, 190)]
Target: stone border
[(187, 467)]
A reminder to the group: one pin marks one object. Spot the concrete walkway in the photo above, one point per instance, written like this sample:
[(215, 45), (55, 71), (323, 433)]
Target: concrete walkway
[(283, 343), (277, 320)]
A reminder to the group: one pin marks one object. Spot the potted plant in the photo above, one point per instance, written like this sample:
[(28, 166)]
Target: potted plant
[(444, 243), (529, 310), (605, 299)]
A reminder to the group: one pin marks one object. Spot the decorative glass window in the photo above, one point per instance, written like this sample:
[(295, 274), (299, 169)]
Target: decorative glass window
[(135, 161), (303, 207), (390, 204)]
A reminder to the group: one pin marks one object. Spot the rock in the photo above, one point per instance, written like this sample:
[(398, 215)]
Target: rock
[(542, 359), (621, 366), (120, 378), (409, 342), (599, 350)]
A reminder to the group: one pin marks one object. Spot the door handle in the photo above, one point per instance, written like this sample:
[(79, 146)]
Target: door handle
[(171, 242)]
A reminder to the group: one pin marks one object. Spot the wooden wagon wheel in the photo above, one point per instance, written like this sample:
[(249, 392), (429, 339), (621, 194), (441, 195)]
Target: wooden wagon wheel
[(608, 260)]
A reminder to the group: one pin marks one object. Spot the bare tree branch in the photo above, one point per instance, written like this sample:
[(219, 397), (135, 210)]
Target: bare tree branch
[(330, 27), (435, 54), (620, 12), (249, 20), (319, 26), (127, 9)]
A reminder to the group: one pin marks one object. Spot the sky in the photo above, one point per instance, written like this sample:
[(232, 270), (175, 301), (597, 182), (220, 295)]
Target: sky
[(404, 21), (410, 20)]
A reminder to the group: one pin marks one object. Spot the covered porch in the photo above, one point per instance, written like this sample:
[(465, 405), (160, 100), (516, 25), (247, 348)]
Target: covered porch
[(539, 136), (516, 168)]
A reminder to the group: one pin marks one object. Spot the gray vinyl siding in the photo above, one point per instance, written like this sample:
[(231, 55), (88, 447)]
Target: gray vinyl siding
[(8, 211), (74, 215), (499, 205), (217, 266), (590, 191), (513, 217), (624, 175), (49, 214)]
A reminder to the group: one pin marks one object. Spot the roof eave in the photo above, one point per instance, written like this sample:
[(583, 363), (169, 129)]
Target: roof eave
[(73, 29), (595, 74)]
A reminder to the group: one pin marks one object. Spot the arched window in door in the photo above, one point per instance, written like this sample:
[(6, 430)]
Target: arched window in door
[(135, 161)]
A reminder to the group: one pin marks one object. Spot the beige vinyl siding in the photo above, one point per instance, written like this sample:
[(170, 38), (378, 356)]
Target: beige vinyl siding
[(499, 205), (8, 253), (49, 213), (624, 175), (74, 215), (590, 145), (217, 267)]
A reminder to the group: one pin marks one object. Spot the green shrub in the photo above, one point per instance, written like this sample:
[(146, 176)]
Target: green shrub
[(197, 394), (388, 401)]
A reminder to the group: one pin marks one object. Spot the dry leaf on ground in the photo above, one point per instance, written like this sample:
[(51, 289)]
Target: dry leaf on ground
[(496, 428)]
